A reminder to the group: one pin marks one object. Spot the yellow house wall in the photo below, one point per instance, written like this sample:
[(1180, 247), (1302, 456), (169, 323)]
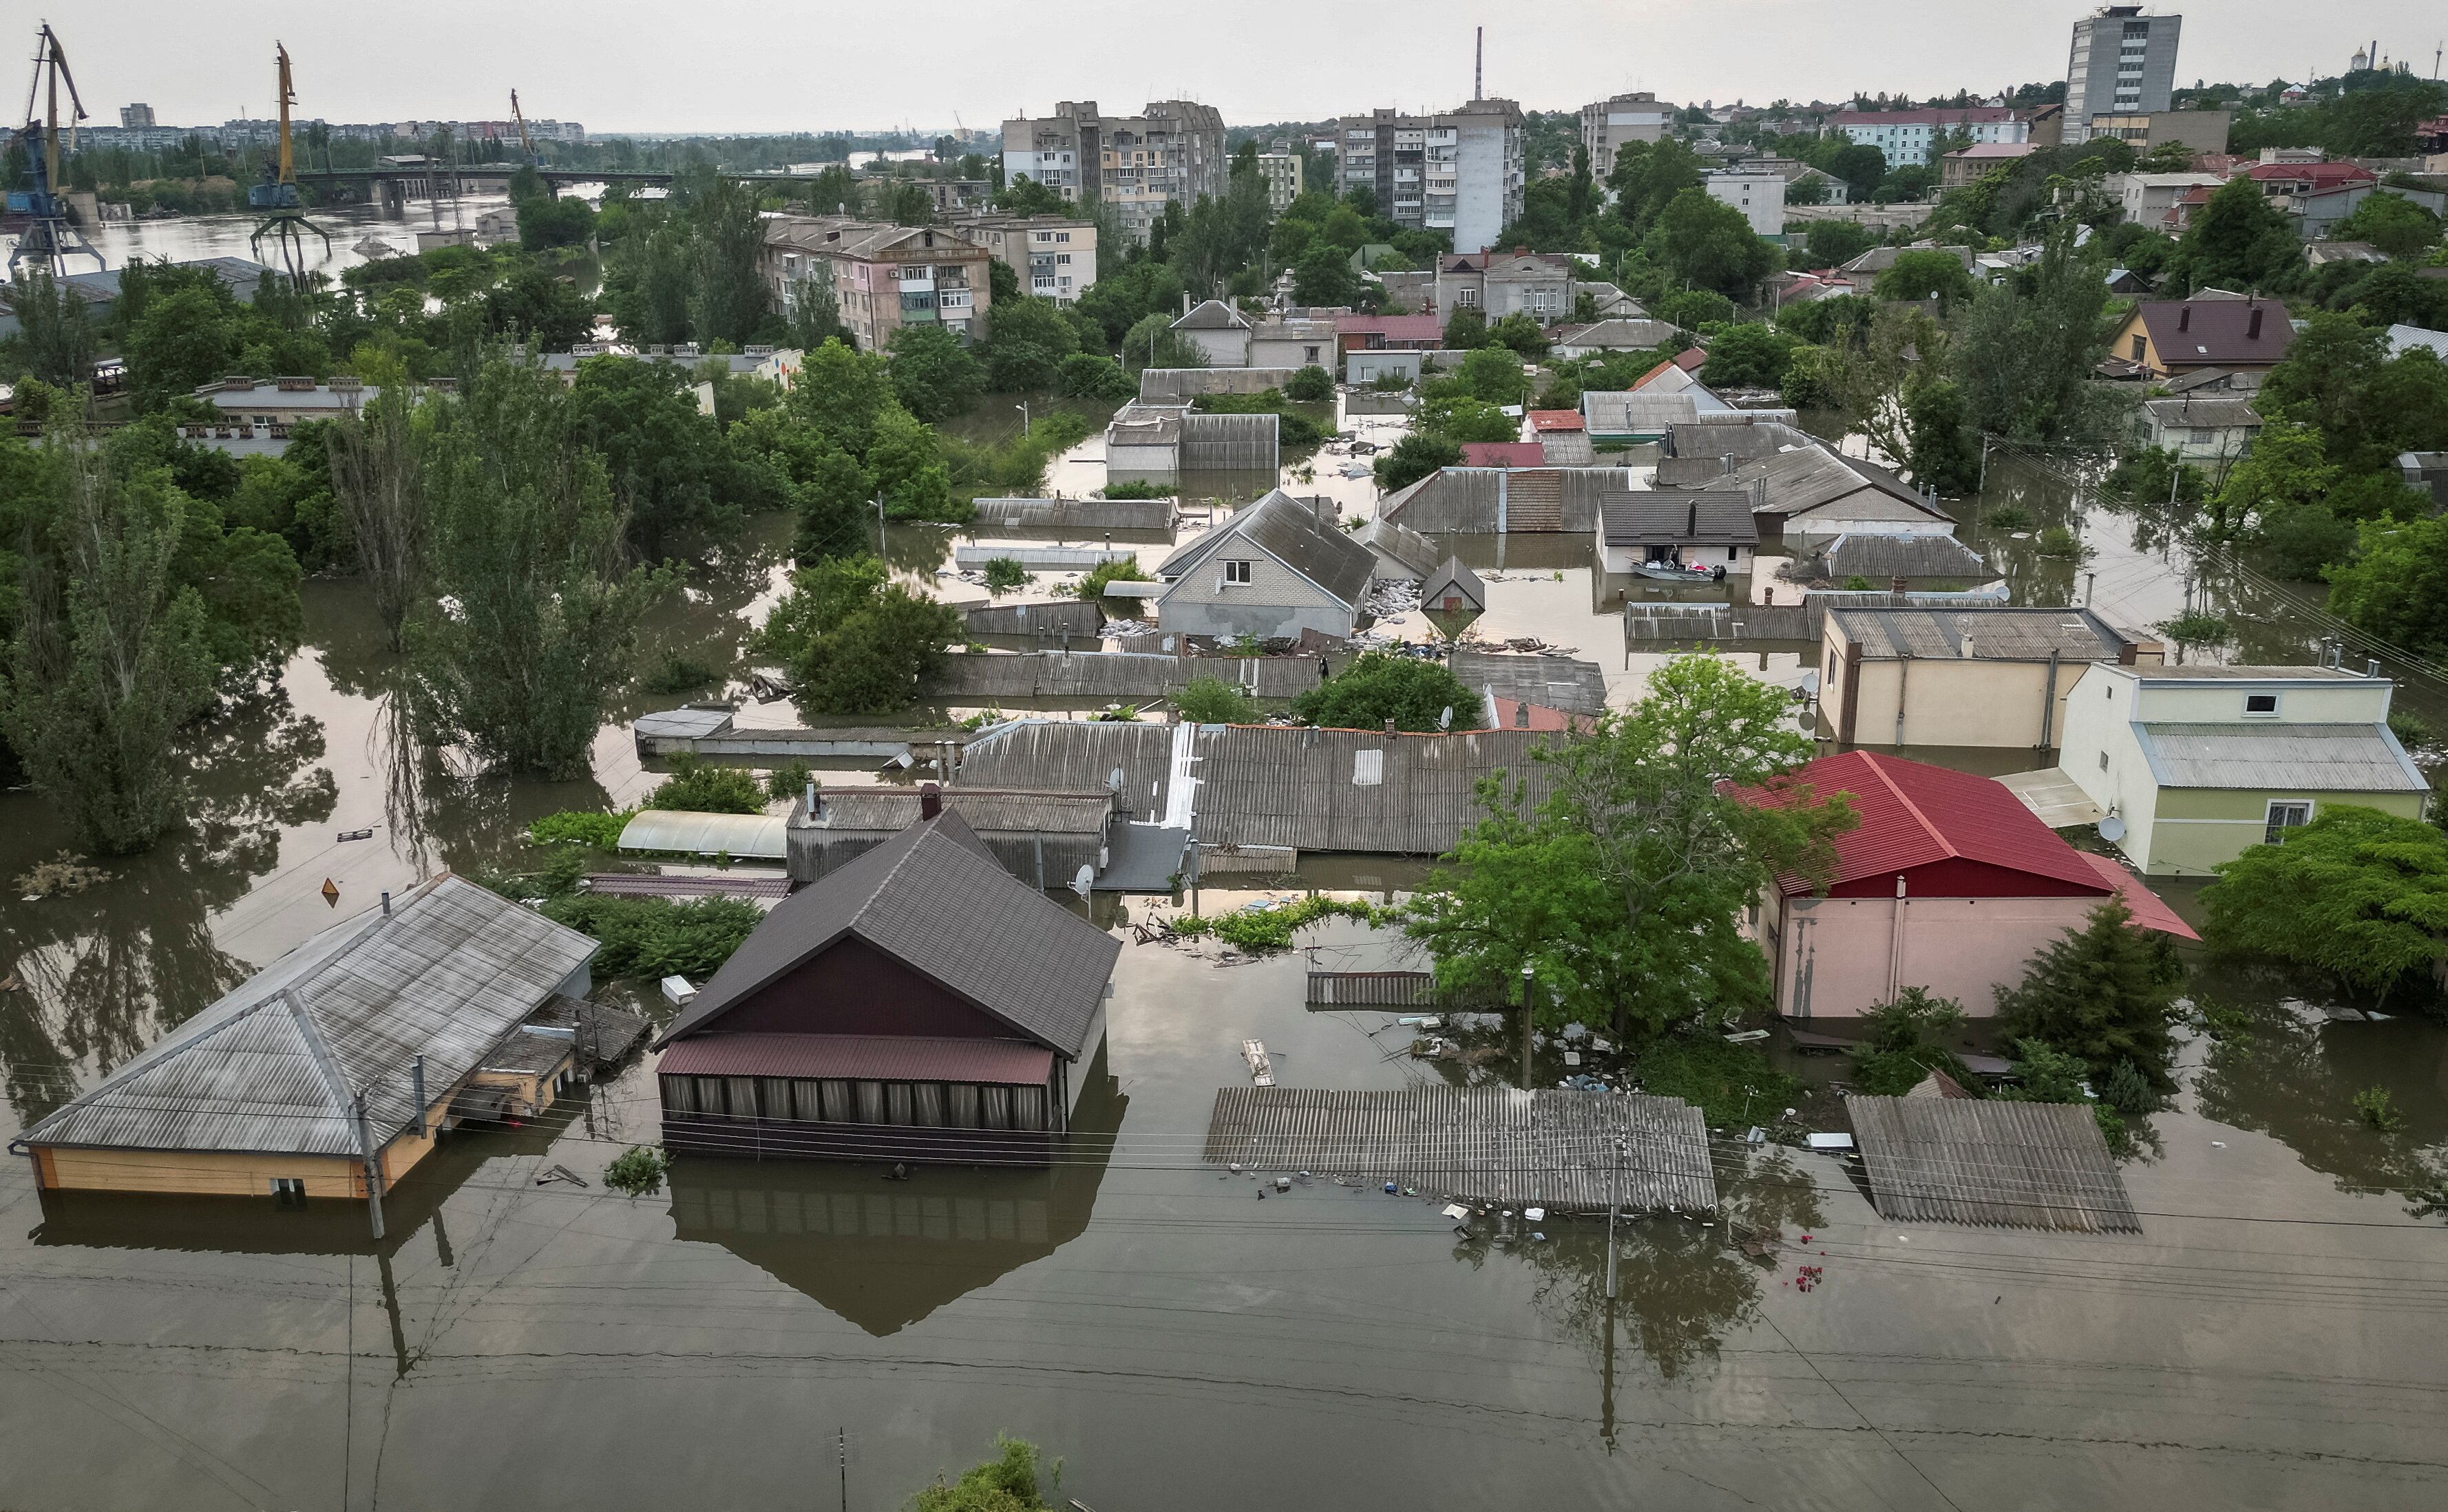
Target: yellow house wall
[(228, 1173), (2196, 828)]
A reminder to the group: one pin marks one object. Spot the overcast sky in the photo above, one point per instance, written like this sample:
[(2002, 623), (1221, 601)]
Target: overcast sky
[(822, 64)]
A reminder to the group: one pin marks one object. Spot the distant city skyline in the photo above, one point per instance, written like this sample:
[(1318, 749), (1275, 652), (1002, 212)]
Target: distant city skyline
[(729, 67)]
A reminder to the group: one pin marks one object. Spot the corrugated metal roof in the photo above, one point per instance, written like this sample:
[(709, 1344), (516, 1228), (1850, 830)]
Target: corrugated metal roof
[(1758, 439), (1629, 413), (1407, 548), (935, 898), (1212, 314), (2203, 411), (861, 1057), (1453, 580), (2281, 758), (1556, 682), (2151, 911), (687, 833), (1075, 756), (1496, 1143), (276, 1065), (1699, 518), (1993, 634), (2211, 671), (1991, 1162), (1292, 533), (1913, 814), (1287, 786), (1866, 553), (987, 811)]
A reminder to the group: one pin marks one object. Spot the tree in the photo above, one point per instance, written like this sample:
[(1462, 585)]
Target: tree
[(1312, 385), (1711, 245), (380, 487), (2239, 241), (2357, 894), (1026, 340), (545, 222), (1415, 457), (2287, 468), (111, 655), (933, 373), (1091, 375), (1495, 374), (855, 642), (661, 456), (1415, 693), (532, 623), (1624, 892), (1214, 701), (2024, 349), (729, 301), (183, 340), (1833, 243), (1025, 196), (1868, 377), (814, 313), (1944, 455), (2105, 992), (2396, 585), (1324, 278), (1004, 574), (838, 395), (1519, 333), (1462, 418), (1906, 1044), (1648, 175), (1007, 1483), (55, 341), (1862, 168), (698, 788), (534, 305), (1933, 273), (2392, 223), (908, 460), (1466, 329), (1748, 356)]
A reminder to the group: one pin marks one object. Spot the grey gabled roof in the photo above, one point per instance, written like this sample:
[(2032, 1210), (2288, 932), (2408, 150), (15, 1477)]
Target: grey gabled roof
[(1212, 314), (934, 898), (2042, 1165), (1454, 580), (1398, 543), (2002, 634), (2204, 412), (1567, 683), (2280, 758), (1290, 532), (277, 1065), (1685, 517), (1875, 556)]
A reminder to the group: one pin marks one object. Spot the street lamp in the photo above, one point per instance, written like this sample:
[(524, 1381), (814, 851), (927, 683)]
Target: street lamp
[(1022, 407)]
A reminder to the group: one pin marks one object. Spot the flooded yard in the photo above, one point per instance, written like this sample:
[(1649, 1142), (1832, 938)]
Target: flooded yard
[(2270, 1338)]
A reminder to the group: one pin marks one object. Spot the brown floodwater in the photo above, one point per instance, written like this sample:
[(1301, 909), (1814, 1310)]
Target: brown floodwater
[(2269, 1341)]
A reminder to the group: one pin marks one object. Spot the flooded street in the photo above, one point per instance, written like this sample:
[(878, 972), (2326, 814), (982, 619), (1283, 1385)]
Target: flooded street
[(2269, 1341)]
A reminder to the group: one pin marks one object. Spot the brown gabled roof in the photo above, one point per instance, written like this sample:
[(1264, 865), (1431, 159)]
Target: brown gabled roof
[(2216, 333), (1687, 517), (934, 898)]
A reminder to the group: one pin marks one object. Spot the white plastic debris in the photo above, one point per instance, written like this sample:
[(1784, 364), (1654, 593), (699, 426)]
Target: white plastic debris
[(678, 991), (1455, 1210), (1831, 1142), (1536, 1215)]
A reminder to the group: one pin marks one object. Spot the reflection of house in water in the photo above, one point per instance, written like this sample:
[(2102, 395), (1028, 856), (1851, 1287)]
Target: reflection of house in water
[(883, 1254)]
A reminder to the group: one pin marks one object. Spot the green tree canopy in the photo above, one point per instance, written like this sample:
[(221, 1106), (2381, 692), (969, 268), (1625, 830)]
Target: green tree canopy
[(1626, 890), (1324, 278), (1214, 701), (1711, 245), (1932, 273), (2106, 992), (1415, 457), (1413, 691), (2392, 223), (661, 456), (2396, 584), (2238, 241), (933, 373), (1753, 355), (1026, 340), (856, 642), (2357, 894)]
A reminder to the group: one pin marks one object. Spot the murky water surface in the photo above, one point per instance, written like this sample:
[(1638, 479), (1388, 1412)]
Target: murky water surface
[(2271, 1338)]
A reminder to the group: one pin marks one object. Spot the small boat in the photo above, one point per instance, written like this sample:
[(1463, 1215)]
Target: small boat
[(372, 247), (1676, 572)]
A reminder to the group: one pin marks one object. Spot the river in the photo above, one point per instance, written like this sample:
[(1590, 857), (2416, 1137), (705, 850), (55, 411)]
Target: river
[(2269, 1341)]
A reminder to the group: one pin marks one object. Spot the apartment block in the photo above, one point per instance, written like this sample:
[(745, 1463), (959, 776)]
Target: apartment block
[(1054, 255), (1610, 124), (1906, 136), (2123, 63), (1459, 171), (1282, 171), (1172, 150), (1759, 196), (883, 277)]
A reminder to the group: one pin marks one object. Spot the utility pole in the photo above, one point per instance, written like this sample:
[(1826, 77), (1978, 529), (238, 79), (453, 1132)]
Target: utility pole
[(1614, 1206), (880, 547), (1529, 1020), (374, 1168)]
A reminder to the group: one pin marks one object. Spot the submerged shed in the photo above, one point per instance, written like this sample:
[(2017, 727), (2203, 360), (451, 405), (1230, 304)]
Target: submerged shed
[(1453, 589), (1944, 1159), (684, 832)]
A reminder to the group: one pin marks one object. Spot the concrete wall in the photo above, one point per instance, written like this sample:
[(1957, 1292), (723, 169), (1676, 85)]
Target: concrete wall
[(1173, 386), (1278, 353), (1224, 348), (1841, 957), (1977, 702), (2198, 827), (2101, 754), (1142, 464)]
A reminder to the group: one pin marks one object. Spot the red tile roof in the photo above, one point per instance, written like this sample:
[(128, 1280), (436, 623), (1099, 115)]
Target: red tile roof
[(1394, 328), (1556, 419), (2316, 176), (861, 1057), (1504, 454), (1915, 815)]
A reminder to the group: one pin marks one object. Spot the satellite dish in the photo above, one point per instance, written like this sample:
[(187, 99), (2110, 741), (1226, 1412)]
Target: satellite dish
[(1444, 721), (1079, 883), (1114, 779), (2112, 829)]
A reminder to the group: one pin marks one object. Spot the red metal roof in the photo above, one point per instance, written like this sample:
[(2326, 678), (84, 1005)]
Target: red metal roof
[(2314, 176), (1394, 328), (2150, 910), (861, 1057), (1504, 454), (1915, 815), (1556, 420)]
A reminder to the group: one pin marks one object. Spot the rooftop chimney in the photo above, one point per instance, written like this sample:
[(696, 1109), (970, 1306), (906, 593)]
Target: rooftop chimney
[(2252, 325), (812, 801), (1522, 715), (931, 801), (2185, 317), (1967, 645), (1691, 520), (1389, 727)]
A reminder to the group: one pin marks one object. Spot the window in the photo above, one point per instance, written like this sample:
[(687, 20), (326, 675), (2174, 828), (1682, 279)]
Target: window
[(2261, 703), (2141, 346), (2283, 815), (1237, 571), (1367, 768), (2103, 761), (289, 1191)]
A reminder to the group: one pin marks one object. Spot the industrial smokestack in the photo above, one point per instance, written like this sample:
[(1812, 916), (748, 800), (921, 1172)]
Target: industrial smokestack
[(1479, 62), (931, 801)]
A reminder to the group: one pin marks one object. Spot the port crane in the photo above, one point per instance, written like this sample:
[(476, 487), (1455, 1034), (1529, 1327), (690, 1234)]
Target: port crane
[(284, 220), (49, 239), (526, 143)]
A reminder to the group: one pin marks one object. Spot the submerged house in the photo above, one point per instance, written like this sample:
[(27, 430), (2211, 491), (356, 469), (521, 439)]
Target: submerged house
[(1887, 561), (1913, 675), (919, 1003), (331, 1071), (1044, 839), (1688, 531), (2195, 765), (1273, 570), (1947, 883)]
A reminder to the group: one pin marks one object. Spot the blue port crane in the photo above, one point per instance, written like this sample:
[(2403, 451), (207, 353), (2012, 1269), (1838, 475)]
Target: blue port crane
[(284, 220), (49, 239)]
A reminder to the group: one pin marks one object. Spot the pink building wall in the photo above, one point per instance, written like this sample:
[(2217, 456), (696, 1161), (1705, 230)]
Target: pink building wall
[(1838, 956)]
